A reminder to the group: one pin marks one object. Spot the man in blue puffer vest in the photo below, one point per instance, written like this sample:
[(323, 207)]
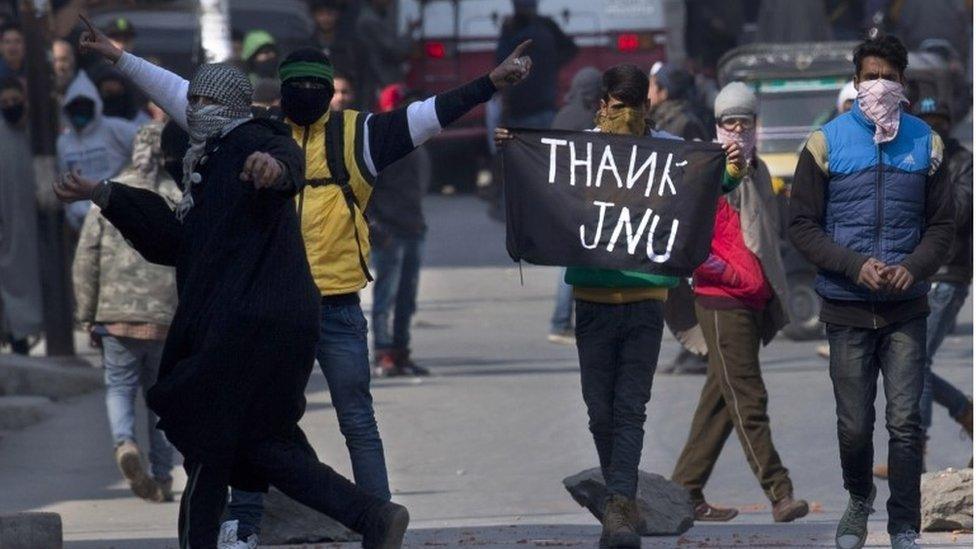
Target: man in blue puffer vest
[(872, 209)]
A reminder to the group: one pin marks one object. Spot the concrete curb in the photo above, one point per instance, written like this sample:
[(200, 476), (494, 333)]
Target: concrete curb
[(31, 531), (54, 378)]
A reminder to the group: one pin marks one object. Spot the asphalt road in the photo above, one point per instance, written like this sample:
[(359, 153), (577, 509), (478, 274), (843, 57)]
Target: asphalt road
[(478, 451)]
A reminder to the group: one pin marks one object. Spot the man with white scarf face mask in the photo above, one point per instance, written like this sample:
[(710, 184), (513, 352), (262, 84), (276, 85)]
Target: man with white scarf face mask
[(871, 207)]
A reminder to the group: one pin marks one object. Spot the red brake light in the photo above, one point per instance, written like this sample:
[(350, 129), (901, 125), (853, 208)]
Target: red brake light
[(435, 50), (628, 43)]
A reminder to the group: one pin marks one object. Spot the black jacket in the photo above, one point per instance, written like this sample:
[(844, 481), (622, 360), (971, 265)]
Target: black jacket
[(241, 345), (396, 208), (959, 165), (678, 117)]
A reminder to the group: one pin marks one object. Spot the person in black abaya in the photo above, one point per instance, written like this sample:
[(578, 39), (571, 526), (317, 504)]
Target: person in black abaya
[(241, 346)]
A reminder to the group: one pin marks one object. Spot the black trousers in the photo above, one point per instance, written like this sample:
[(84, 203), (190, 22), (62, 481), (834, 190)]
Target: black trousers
[(289, 464)]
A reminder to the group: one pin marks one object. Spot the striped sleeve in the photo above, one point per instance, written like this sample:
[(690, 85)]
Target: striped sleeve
[(388, 137)]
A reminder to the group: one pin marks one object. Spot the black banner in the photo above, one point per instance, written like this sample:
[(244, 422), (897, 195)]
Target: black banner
[(589, 199)]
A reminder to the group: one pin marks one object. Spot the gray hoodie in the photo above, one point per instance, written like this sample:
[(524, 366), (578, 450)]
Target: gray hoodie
[(100, 150)]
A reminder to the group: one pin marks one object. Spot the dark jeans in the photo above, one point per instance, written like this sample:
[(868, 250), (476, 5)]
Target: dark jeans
[(291, 466), (397, 267), (733, 398), (857, 355), (618, 348), (343, 354), (945, 301)]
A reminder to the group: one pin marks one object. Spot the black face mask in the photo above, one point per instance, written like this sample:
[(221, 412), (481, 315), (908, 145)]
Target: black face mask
[(14, 113), (117, 105), (80, 112), (302, 106)]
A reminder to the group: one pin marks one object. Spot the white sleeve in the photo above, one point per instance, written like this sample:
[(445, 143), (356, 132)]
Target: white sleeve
[(164, 88), (422, 121)]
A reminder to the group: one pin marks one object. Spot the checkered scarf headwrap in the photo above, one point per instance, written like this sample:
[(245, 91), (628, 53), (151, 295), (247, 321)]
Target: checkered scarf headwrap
[(231, 90)]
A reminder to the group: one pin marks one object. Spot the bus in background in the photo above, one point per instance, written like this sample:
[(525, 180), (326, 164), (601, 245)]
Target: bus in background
[(457, 44)]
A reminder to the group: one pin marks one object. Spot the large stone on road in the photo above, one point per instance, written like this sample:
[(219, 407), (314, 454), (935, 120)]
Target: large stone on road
[(665, 506), (287, 522), (31, 531), (947, 500)]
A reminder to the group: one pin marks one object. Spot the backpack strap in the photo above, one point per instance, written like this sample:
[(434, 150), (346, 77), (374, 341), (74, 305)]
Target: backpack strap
[(334, 149)]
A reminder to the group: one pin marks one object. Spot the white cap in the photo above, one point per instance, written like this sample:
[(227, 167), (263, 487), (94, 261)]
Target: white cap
[(847, 93)]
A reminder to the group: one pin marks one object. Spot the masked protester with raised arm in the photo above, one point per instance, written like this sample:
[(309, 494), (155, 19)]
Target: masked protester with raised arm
[(872, 208), (619, 324), (740, 292), (343, 153), (242, 342)]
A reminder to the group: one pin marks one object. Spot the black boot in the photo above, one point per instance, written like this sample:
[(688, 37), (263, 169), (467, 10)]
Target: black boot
[(385, 526)]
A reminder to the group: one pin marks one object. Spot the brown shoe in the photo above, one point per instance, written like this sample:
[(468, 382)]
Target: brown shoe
[(129, 460), (789, 509), (706, 513), (620, 523)]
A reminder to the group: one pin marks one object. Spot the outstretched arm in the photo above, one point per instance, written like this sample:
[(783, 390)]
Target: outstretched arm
[(388, 137), (166, 89), (143, 217)]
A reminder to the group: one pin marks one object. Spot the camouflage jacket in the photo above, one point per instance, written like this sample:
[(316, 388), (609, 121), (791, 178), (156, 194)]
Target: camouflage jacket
[(112, 282)]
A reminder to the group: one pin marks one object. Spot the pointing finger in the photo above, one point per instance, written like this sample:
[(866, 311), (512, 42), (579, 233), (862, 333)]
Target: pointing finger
[(520, 49)]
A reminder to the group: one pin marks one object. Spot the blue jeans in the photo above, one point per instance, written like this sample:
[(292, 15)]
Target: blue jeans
[(857, 355), (945, 301), (397, 267), (130, 365), (562, 315), (343, 355), (618, 347)]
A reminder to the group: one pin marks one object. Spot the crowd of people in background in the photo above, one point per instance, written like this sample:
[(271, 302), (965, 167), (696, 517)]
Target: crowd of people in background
[(136, 136)]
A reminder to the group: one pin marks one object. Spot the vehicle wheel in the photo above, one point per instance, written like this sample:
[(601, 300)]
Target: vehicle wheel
[(803, 305)]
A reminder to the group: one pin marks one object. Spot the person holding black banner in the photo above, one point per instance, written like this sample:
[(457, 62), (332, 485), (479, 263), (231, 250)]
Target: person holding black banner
[(740, 293), (619, 312)]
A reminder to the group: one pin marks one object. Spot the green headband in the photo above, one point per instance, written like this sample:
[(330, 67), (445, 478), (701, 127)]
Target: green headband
[(300, 69)]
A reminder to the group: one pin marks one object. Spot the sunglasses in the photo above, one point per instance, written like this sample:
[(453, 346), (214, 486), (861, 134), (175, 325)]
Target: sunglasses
[(745, 122)]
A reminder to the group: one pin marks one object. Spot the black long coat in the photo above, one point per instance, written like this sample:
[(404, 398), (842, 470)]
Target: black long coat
[(242, 342)]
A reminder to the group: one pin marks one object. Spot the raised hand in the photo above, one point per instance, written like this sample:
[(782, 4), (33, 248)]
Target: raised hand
[(93, 40), (72, 187), (513, 69), (733, 156)]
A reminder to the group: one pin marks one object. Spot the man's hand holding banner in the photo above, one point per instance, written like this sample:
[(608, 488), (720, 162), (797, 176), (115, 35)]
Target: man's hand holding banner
[(590, 199)]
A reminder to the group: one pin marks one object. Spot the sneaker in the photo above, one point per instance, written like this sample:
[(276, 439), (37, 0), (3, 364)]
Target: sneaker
[(385, 527), (386, 366), (408, 366), (706, 513), (164, 491), (228, 537), (565, 337), (789, 509), (905, 540), (852, 530), (129, 461), (620, 523)]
